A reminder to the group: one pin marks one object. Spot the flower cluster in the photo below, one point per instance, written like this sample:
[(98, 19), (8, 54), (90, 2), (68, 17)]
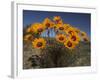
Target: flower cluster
[(66, 34)]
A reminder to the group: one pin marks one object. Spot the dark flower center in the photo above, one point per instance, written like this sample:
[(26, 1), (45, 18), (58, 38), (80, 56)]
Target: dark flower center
[(31, 37), (61, 38), (73, 38), (48, 24), (85, 39), (39, 44), (82, 34), (58, 20), (69, 44), (40, 30), (76, 31), (61, 28), (70, 32)]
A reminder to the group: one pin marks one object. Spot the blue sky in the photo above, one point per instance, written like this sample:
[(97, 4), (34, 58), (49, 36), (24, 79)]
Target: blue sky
[(79, 20)]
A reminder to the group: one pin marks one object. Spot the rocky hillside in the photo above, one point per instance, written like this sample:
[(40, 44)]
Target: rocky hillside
[(56, 56)]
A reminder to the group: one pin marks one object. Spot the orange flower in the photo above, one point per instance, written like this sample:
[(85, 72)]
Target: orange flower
[(69, 44), (77, 30), (39, 43), (75, 38), (37, 27), (85, 38), (60, 26), (57, 19), (52, 25), (66, 26), (47, 23), (28, 37), (70, 31), (61, 38), (83, 34), (29, 29)]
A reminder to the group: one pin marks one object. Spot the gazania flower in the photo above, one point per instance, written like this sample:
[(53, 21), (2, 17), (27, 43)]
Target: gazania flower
[(57, 19), (69, 44), (83, 34), (75, 38), (47, 23), (52, 25), (70, 31), (60, 26), (39, 43), (28, 37), (37, 27), (29, 30), (60, 22), (77, 30), (61, 38), (66, 26), (85, 38)]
